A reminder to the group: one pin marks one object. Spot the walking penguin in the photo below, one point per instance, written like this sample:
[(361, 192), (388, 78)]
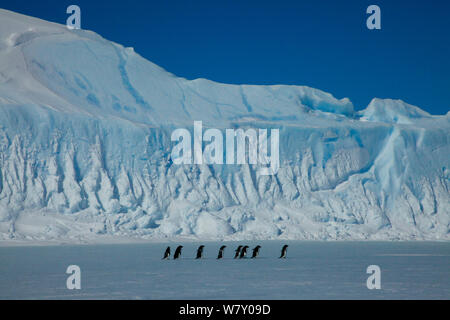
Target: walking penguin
[(283, 251), (256, 251), (199, 252), (238, 251), (177, 253), (220, 255), (243, 252), (167, 253)]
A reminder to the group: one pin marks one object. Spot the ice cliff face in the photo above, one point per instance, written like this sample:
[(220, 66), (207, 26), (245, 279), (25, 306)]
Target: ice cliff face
[(85, 147)]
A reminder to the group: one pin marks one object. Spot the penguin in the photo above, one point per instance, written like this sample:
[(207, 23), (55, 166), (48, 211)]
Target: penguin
[(199, 252), (177, 253), (256, 251), (167, 253), (220, 255), (283, 251), (243, 252), (238, 251)]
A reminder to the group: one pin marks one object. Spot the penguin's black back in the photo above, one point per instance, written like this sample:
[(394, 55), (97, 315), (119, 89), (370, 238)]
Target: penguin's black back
[(283, 251), (167, 253), (220, 255), (177, 252), (255, 251), (238, 251), (243, 252), (199, 252)]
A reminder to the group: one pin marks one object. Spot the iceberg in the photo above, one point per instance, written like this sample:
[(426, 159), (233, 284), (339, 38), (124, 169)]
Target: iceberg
[(85, 145)]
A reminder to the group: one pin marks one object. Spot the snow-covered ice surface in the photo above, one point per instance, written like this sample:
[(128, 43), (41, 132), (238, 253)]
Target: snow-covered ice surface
[(85, 130), (312, 270)]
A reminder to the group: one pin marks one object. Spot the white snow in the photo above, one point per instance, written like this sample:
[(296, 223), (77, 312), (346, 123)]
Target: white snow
[(312, 270), (85, 130)]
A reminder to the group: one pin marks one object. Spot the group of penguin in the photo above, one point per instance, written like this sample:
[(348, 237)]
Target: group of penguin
[(240, 252)]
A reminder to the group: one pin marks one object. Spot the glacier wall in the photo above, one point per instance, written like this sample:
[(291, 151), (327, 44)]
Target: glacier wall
[(85, 147)]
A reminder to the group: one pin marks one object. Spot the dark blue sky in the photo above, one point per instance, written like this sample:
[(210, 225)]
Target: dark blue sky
[(319, 43)]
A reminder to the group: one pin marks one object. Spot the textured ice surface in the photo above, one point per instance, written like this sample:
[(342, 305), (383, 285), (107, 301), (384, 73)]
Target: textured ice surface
[(312, 270), (85, 130)]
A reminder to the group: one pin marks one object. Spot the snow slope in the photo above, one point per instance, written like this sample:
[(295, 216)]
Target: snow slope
[(85, 129)]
